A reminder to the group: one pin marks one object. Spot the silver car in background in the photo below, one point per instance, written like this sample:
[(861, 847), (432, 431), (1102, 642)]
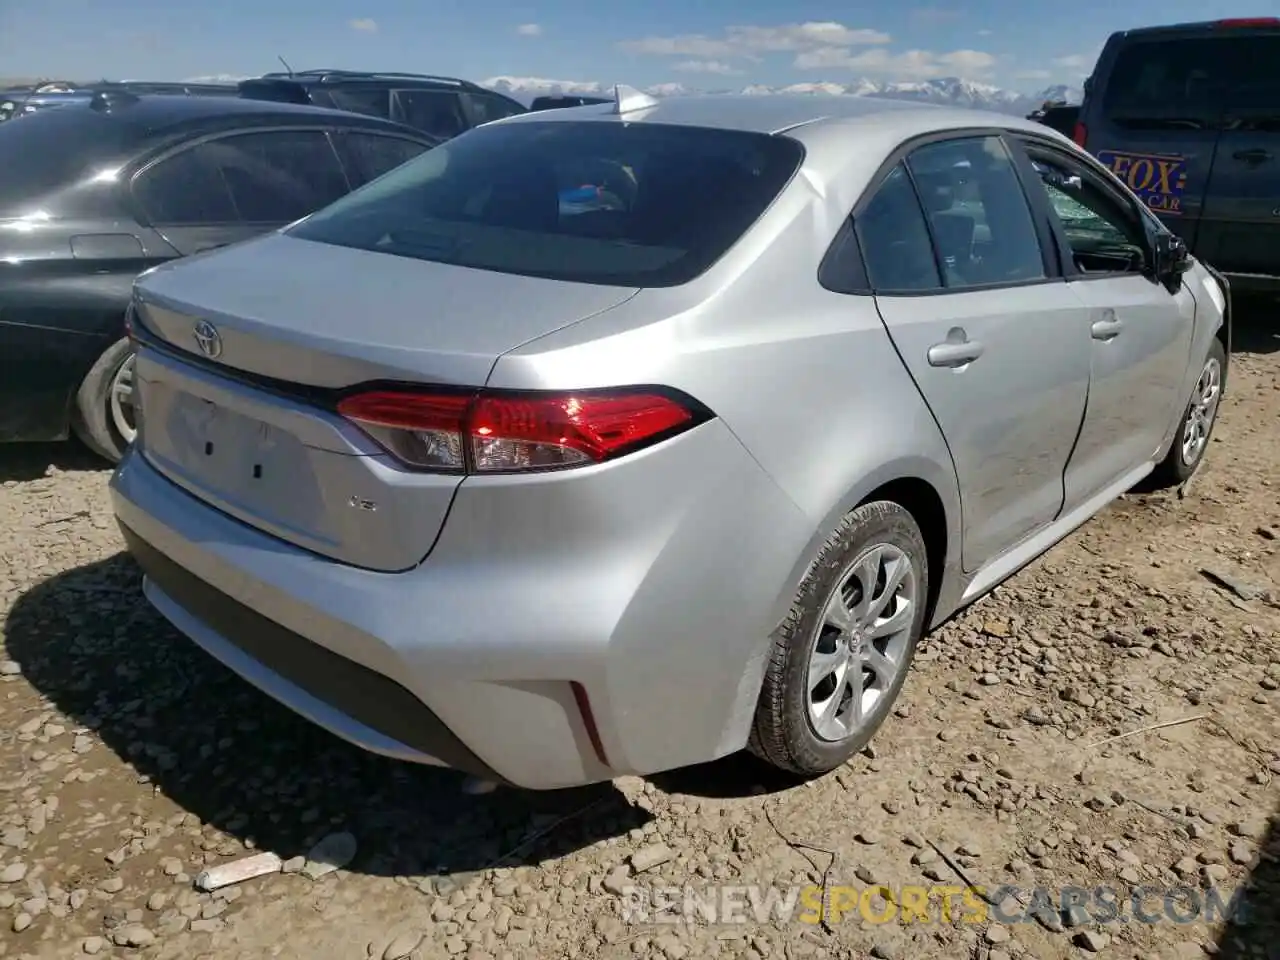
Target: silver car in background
[(614, 439)]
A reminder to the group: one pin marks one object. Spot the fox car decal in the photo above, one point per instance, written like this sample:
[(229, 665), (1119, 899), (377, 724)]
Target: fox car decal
[(1159, 179)]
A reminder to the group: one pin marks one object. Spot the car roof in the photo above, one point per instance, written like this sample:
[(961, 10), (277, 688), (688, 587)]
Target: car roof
[(151, 116), (776, 113)]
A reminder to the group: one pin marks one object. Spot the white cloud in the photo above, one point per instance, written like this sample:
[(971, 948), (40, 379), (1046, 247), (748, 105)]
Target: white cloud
[(745, 42), (984, 33), (1034, 74), (907, 65), (1073, 61), (706, 66), (364, 25), (529, 29)]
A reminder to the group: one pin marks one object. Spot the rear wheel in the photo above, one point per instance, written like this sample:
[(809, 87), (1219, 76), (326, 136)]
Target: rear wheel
[(842, 655), (104, 413), (1198, 419)]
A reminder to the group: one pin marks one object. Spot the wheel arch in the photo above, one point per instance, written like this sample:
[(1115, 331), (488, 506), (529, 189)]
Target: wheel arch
[(926, 489)]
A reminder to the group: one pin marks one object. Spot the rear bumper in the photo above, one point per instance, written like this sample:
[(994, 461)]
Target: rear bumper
[(372, 710), (564, 630)]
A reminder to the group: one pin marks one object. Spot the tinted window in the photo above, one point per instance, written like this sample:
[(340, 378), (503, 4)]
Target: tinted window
[(1102, 234), (54, 148), (894, 238), (372, 102), (1191, 81), (628, 204), (274, 177), (368, 156), (978, 214), (486, 107), (438, 112)]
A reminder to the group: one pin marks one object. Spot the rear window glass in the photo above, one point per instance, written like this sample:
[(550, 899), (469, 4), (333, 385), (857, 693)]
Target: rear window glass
[(1194, 79), (593, 202), (53, 148)]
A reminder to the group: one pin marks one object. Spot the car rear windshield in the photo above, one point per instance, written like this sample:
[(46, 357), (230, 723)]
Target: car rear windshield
[(52, 148), (630, 204), (1194, 81)]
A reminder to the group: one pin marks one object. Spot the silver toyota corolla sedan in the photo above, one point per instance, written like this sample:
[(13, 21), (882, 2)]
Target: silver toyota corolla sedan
[(610, 440)]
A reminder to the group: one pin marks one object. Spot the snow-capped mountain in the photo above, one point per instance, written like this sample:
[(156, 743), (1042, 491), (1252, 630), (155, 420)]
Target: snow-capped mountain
[(946, 90)]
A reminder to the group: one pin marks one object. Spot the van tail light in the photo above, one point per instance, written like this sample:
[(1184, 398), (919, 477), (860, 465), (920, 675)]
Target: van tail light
[(1080, 134), (514, 433), (1242, 22)]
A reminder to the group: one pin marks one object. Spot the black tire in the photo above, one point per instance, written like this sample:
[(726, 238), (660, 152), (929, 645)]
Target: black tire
[(1175, 469), (782, 734), (91, 418)]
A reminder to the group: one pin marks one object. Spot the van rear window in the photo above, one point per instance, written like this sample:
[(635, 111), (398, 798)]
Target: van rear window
[(1193, 81)]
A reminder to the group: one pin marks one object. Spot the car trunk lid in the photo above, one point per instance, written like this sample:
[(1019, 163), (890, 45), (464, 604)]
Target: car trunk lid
[(252, 345)]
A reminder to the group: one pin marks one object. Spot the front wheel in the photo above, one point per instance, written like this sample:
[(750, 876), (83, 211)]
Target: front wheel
[(842, 655), (1198, 419), (104, 418)]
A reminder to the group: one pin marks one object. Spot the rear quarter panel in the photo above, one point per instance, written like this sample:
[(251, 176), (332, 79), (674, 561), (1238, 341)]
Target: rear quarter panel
[(807, 379)]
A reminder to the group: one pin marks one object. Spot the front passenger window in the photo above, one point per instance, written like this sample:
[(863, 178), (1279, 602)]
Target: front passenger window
[(895, 240), (1102, 236)]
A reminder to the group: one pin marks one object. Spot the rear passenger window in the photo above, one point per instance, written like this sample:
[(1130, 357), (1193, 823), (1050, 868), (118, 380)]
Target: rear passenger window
[(487, 107), (372, 102), (270, 178), (895, 240), (978, 214), (368, 156), (438, 112)]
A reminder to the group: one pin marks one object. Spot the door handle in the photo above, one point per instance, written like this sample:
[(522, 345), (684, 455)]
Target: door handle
[(1107, 329), (955, 354), (1256, 155)]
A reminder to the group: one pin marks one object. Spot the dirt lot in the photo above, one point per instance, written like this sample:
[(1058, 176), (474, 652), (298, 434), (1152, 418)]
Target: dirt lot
[(129, 761)]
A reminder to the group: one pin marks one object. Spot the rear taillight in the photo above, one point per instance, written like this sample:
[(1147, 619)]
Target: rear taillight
[(1080, 134), (507, 433)]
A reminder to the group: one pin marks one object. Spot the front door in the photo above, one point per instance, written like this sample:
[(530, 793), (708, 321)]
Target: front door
[(995, 344), (1139, 332)]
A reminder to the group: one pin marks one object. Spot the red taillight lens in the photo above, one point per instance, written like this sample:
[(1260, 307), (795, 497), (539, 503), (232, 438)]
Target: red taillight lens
[(1232, 22), (1080, 134), (129, 322), (504, 433)]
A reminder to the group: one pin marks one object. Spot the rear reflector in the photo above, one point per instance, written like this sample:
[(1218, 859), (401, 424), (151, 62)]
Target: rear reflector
[(1248, 22), (508, 433), (1080, 134)]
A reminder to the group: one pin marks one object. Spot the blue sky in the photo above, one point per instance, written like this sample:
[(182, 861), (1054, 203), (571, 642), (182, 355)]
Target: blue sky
[(1020, 44)]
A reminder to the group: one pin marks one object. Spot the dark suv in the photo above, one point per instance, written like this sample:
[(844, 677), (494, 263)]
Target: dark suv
[(441, 106), (1189, 117)]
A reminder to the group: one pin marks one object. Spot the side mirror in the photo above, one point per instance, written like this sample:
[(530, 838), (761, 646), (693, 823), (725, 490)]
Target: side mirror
[(1172, 258)]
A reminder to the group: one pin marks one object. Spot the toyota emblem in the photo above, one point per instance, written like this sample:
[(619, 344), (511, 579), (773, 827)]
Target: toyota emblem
[(208, 339)]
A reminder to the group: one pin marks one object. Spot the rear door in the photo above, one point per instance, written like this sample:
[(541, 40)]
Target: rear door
[(1240, 229), (235, 186), (1152, 119), (986, 328)]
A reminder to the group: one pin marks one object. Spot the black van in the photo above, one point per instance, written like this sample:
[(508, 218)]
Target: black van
[(1189, 117)]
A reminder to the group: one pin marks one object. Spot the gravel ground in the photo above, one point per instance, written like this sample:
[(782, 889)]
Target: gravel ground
[(129, 762)]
